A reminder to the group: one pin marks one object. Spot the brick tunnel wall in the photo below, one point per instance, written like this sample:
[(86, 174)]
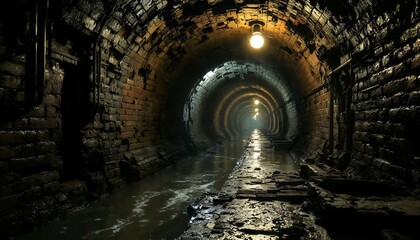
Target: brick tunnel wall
[(313, 113), (29, 159), (386, 92), (70, 149), (384, 49)]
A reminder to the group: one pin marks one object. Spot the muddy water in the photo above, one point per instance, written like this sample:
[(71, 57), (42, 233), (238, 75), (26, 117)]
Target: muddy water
[(155, 207)]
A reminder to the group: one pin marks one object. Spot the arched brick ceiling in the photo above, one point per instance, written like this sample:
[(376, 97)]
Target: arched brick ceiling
[(175, 43), (161, 32)]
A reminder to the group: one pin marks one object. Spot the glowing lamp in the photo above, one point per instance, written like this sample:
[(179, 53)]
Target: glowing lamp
[(257, 40)]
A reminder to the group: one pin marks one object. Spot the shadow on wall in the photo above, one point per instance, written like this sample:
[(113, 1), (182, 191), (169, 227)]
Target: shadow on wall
[(77, 110)]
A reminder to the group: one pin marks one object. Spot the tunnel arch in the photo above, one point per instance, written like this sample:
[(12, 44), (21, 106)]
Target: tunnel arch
[(165, 45), (350, 68), (248, 81)]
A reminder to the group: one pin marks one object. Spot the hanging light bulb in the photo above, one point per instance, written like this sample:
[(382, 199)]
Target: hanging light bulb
[(256, 102), (257, 40)]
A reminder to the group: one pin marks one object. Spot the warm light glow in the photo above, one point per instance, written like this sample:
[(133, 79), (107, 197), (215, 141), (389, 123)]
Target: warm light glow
[(256, 102), (256, 110), (255, 117), (257, 40), (257, 113)]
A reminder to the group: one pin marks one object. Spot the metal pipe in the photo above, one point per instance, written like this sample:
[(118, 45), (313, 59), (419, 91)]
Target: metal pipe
[(41, 48), (317, 89), (349, 117), (97, 58), (35, 67), (322, 86), (339, 67), (331, 118), (370, 88), (32, 64)]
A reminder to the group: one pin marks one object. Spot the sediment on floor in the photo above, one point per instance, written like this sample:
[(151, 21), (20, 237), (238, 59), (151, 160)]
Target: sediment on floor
[(261, 199), (269, 197)]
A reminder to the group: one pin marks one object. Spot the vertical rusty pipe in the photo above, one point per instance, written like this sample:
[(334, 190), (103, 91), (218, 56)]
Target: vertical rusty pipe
[(99, 68), (331, 118), (349, 136), (331, 105), (35, 72), (349, 127), (42, 7), (31, 63), (97, 57)]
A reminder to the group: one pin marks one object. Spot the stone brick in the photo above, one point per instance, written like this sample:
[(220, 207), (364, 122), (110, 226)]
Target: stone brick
[(16, 137), (385, 74), (378, 163), (19, 186), (74, 187), (387, 154), (37, 112), (11, 82), (21, 124), (4, 167), (10, 202), (397, 144), (24, 150), (404, 114), (415, 62), (46, 177), (401, 85), (51, 112), (51, 187), (45, 147), (51, 100), (9, 178), (396, 130), (32, 193), (42, 123), (399, 99), (376, 139), (28, 165), (414, 98), (12, 68), (6, 153)]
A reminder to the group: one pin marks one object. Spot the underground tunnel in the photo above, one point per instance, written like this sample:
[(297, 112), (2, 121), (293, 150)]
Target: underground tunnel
[(113, 112)]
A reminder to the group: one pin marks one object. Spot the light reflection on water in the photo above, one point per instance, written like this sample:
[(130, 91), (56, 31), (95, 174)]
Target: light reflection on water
[(153, 208)]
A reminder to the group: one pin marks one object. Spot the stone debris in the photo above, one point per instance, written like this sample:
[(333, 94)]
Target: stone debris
[(375, 206), (258, 201)]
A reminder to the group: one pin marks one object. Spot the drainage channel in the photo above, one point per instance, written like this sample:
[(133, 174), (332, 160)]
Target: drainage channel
[(153, 208)]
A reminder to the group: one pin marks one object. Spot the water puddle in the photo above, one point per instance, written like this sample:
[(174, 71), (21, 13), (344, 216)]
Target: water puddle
[(153, 208)]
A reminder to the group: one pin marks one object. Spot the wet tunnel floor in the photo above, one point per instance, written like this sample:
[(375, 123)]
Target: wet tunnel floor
[(156, 206), (240, 190), (153, 208), (260, 200)]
